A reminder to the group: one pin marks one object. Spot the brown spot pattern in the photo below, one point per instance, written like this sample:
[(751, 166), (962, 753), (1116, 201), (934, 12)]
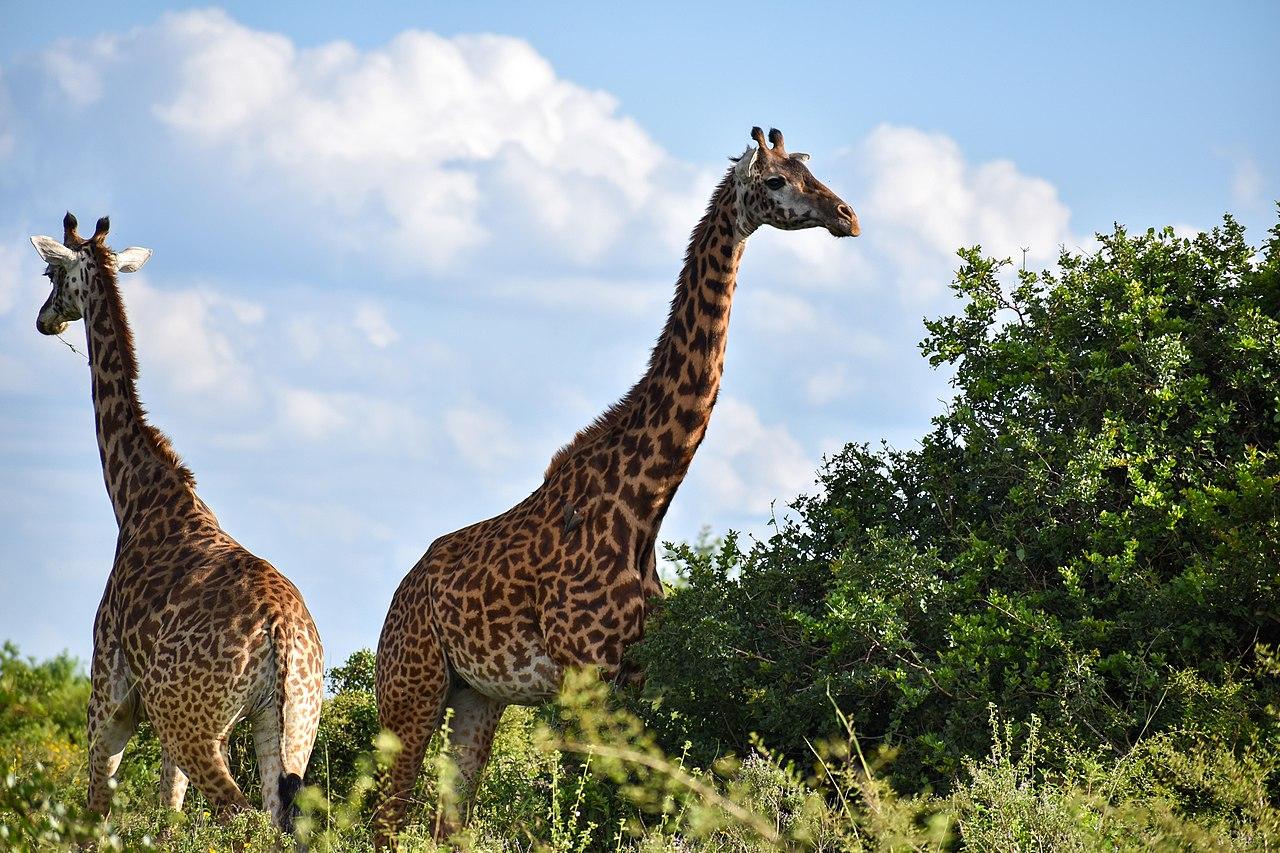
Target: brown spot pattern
[(193, 631), (493, 614)]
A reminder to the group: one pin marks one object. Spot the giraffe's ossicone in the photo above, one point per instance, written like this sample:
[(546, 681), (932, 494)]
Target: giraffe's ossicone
[(193, 631), (493, 614)]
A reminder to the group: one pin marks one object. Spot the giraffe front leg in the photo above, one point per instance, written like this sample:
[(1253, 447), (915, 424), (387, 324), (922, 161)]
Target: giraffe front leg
[(113, 717), (475, 720)]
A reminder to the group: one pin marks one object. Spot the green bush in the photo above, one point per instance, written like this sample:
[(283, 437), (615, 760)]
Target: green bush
[(1090, 533), (348, 726)]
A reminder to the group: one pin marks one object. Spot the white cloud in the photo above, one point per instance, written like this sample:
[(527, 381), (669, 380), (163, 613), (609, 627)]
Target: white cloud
[(594, 295), (926, 200), (186, 336), (329, 520), (372, 321), (443, 139), (74, 66), (333, 173), (311, 414), (813, 259), (745, 464), (18, 271), (1246, 181), (365, 421), (483, 437), (8, 140), (828, 384), (780, 313)]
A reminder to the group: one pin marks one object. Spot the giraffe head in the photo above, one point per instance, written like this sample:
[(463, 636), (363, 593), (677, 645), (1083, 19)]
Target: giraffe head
[(776, 188), (71, 267)]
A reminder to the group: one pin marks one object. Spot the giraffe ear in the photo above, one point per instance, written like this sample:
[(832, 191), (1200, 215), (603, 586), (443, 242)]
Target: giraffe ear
[(749, 162), (53, 251), (800, 156), (132, 259)]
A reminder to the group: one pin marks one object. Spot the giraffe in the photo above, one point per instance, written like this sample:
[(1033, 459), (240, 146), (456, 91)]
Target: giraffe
[(193, 631), (492, 614)]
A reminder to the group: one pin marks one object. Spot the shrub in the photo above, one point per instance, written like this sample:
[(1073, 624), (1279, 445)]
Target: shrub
[(1092, 526)]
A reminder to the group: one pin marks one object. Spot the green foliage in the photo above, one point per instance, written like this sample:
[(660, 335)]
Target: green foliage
[(1089, 534), (42, 712), (348, 726)]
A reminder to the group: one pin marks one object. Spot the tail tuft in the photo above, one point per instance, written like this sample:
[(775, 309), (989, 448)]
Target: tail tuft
[(290, 785)]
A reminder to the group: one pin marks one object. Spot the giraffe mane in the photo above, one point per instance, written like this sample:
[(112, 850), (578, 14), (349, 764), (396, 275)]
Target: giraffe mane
[(129, 362), (613, 416)]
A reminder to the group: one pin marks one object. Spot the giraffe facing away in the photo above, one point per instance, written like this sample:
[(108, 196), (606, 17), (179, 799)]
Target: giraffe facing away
[(193, 631), (493, 614)]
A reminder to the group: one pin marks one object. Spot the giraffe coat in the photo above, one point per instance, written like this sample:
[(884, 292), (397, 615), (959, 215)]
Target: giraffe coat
[(193, 631), (492, 614)]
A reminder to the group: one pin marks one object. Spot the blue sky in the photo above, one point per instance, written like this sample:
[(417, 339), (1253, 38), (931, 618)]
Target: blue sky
[(404, 251)]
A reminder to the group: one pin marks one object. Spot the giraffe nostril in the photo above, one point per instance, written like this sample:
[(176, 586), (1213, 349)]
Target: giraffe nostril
[(844, 210)]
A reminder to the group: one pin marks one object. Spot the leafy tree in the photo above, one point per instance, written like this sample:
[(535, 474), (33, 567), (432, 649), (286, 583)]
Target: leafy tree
[(1090, 533)]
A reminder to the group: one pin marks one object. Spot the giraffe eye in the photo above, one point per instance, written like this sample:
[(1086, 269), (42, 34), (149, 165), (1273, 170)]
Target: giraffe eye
[(775, 183)]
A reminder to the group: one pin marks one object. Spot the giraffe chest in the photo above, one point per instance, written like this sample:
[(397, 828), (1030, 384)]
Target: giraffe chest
[(519, 671)]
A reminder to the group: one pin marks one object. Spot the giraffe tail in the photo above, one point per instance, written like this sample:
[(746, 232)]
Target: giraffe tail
[(291, 713), (290, 785)]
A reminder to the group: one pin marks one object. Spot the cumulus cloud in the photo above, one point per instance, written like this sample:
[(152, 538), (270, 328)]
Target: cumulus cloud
[(73, 67), (481, 436), (365, 421), (532, 218), (312, 415), (372, 321), (925, 200), (7, 138), (745, 463), (781, 313), (186, 336), (443, 144), (829, 383), (19, 275), (1246, 180), (594, 294)]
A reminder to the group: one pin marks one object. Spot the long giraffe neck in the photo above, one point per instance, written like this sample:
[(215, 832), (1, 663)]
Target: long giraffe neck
[(138, 463), (670, 406)]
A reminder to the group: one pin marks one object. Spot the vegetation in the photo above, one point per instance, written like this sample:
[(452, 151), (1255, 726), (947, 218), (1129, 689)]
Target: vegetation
[(1052, 625)]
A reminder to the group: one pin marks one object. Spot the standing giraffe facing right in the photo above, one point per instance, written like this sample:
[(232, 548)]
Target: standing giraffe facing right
[(193, 630), (494, 613)]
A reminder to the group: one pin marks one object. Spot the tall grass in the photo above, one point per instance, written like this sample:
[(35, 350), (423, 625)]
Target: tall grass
[(586, 775)]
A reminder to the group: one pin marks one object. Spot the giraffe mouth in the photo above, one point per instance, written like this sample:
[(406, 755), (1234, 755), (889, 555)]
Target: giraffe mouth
[(845, 228), (50, 328)]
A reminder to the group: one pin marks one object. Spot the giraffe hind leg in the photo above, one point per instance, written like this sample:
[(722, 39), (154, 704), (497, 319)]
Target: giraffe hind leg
[(413, 681), (266, 741), (173, 782), (205, 762), (281, 774)]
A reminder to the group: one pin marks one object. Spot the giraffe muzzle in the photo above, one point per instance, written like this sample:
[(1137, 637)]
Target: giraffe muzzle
[(49, 328), (843, 222)]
